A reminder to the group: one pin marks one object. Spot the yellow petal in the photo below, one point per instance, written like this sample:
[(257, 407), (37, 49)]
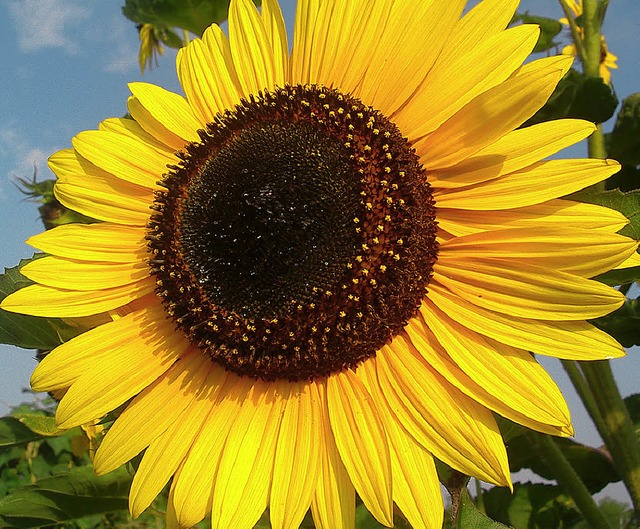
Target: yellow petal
[(575, 250), (407, 49), (513, 152), (152, 412), (132, 129), (511, 375), (107, 199), (148, 353), (362, 443), (334, 503), (454, 83), (429, 352), (93, 242), (251, 49), (560, 213), (277, 36), (294, 482), (243, 480), (416, 489), (194, 482), (38, 300), (303, 32), (153, 126), (339, 53), (537, 183), (208, 76), (169, 109), (632, 260), (450, 425), (124, 157), (165, 455), (486, 19), (60, 272), (526, 291), (492, 114), (572, 340)]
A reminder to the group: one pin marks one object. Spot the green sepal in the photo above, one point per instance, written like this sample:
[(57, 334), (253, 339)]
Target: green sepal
[(626, 203), (549, 29), (623, 324), (29, 332), (65, 497), (579, 97), (623, 143), (469, 517)]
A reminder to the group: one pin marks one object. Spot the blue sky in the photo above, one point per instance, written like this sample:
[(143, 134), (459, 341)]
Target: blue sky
[(66, 65)]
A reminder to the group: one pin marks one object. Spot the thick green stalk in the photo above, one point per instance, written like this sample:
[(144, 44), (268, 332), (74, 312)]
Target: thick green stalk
[(569, 480), (620, 434), (591, 23), (587, 398)]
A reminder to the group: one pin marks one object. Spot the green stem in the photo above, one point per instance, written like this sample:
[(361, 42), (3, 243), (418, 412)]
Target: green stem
[(479, 497), (575, 30), (569, 480), (619, 435), (587, 398)]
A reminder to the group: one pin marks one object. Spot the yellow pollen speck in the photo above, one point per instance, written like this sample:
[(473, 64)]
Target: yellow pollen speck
[(380, 227), (400, 242), (342, 313), (355, 280), (387, 134), (365, 247), (367, 148), (356, 220), (376, 240), (369, 206), (341, 110), (365, 272), (387, 169), (383, 268), (376, 131)]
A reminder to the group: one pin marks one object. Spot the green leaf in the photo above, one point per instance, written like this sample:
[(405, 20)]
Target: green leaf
[(578, 96), (14, 433), (623, 324), (623, 143), (192, 15), (549, 28), (29, 332), (65, 497), (469, 517), (618, 515), (44, 425), (592, 465), (531, 506)]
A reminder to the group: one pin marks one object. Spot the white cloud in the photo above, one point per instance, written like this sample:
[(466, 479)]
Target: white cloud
[(46, 23), (123, 56)]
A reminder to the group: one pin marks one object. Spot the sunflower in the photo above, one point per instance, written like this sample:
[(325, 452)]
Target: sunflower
[(325, 268), (608, 61)]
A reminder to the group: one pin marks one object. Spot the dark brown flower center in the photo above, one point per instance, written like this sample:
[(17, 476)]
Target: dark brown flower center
[(296, 238)]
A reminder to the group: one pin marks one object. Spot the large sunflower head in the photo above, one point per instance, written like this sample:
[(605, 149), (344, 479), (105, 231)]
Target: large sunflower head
[(325, 267)]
